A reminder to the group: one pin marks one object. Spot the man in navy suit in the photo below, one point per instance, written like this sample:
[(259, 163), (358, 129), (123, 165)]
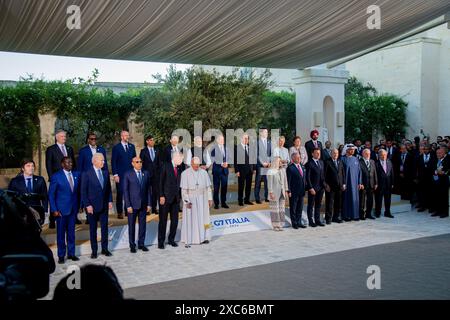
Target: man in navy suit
[(85, 154), (315, 184), (296, 184), (314, 143), (264, 149), (96, 197), (151, 162), (385, 176), (122, 155), (53, 158), (64, 200), (138, 198), (27, 182), (220, 159)]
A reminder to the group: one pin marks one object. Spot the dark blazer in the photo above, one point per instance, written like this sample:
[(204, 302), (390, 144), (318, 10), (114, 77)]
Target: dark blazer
[(315, 176), (245, 167), (85, 158), (53, 157), (334, 177), (296, 183), (368, 179), (169, 185), (60, 195), (217, 159), (92, 193), (409, 167), (152, 167), (121, 160), (18, 185), (309, 146), (425, 170), (167, 153), (137, 195), (385, 180), (443, 180)]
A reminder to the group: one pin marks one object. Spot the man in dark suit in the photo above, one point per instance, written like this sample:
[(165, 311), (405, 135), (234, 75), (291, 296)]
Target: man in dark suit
[(220, 159), (264, 152), (169, 198), (244, 170), (314, 143), (151, 162), (64, 198), (369, 180), (385, 176), (138, 198), (373, 154), (406, 169), (296, 190), (334, 180), (441, 182), (85, 154), (173, 148), (27, 182), (122, 155), (315, 184), (53, 156), (426, 164), (96, 197)]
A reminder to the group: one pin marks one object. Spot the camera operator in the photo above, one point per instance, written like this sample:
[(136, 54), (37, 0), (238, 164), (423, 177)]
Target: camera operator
[(27, 182)]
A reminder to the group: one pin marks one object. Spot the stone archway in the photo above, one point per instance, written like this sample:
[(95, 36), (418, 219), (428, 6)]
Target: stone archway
[(329, 119)]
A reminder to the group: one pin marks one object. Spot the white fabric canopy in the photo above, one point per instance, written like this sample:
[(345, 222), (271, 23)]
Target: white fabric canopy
[(260, 33)]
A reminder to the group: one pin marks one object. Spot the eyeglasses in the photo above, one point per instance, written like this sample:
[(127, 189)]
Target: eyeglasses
[(138, 161)]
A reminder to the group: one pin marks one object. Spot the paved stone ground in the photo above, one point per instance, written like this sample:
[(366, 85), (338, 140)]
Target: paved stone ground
[(259, 248)]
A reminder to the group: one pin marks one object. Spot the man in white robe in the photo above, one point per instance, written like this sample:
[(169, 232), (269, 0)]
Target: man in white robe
[(197, 199)]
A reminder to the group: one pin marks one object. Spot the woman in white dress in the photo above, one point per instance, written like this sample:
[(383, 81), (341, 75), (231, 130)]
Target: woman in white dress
[(282, 152)]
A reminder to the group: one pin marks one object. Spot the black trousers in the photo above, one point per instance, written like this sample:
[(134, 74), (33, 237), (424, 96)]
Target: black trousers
[(119, 198), (244, 180), (425, 192), (259, 178), (155, 193), (93, 220), (296, 209), (440, 191), (141, 216), (379, 195), (315, 202), (171, 208), (333, 204), (220, 181), (365, 202)]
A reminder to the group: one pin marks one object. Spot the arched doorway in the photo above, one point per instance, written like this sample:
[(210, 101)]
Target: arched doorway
[(328, 120)]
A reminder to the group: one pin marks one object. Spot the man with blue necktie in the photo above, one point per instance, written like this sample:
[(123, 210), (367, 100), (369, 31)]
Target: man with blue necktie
[(64, 199), (85, 154), (220, 160), (122, 155), (137, 196), (151, 162), (96, 197)]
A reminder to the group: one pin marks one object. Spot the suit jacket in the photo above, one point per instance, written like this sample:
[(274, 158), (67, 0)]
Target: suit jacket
[(18, 185), (167, 155), (315, 175), (169, 184), (334, 177), (218, 158), (53, 157), (121, 160), (61, 197), (277, 183), (85, 158), (264, 153), (369, 179), (409, 166), (309, 146), (296, 182), (443, 180), (152, 167), (245, 167), (92, 193), (425, 170), (385, 180), (137, 195)]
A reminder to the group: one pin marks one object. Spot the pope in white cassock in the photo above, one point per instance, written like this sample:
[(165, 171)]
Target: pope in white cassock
[(197, 199)]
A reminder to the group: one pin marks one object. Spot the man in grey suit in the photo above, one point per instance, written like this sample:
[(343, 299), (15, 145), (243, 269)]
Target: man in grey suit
[(370, 184)]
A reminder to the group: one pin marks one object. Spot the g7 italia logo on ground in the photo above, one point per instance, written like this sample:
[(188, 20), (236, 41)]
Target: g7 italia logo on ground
[(232, 222)]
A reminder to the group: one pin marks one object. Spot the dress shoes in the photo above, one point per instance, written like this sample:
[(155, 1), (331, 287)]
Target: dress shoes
[(133, 250), (173, 243), (61, 260), (106, 253), (160, 246), (93, 256), (73, 258), (143, 248), (225, 206), (388, 215)]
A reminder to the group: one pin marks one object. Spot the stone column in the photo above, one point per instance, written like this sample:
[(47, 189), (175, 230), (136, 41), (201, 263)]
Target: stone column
[(136, 130), (47, 138), (320, 95)]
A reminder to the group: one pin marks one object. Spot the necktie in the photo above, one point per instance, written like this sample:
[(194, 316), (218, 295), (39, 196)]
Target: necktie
[(368, 164), (335, 163), (300, 170), (426, 158), (176, 171), (403, 158), (126, 148), (29, 188), (315, 144), (152, 154), (100, 178), (246, 150), (70, 180), (317, 163), (140, 177), (64, 151), (384, 167)]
